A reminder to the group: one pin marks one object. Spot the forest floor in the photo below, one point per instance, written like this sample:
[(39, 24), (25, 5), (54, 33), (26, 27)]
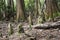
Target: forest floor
[(29, 34)]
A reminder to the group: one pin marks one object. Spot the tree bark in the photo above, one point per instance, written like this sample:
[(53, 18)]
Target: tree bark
[(36, 8), (20, 9), (51, 7), (47, 26)]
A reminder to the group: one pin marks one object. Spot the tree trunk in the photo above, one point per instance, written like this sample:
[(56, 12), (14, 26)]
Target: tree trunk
[(4, 9), (41, 15), (20, 9), (10, 8), (51, 7), (36, 8)]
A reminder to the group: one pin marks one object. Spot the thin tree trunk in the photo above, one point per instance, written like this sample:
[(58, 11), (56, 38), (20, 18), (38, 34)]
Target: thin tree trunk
[(36, 8), (4, 9), (10, 7), (41, 16)]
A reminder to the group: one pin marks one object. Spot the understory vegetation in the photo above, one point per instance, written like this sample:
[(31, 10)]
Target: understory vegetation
[(21, 10)]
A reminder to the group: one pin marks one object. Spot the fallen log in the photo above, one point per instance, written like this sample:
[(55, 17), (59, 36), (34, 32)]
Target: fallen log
[(47, 25)]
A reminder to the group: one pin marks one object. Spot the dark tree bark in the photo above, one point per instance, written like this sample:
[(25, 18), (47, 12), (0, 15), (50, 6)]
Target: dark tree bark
[(51, 7), (10, 9)]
